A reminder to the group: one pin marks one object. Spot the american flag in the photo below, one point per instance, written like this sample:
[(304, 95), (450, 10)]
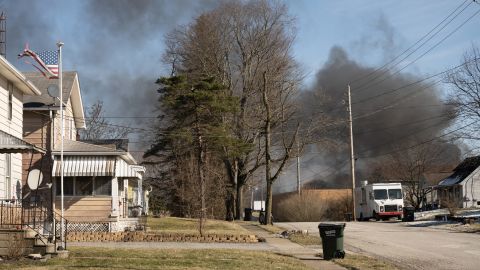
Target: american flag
[(48, 61), (50, 58)]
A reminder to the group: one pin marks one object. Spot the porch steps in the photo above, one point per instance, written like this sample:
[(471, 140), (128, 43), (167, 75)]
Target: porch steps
[(15, 242)]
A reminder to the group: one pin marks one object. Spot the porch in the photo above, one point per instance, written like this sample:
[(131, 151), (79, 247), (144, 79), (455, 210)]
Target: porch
[(101, 193)]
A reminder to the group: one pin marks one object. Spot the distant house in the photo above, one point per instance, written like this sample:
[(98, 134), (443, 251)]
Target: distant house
[(102, 181), (462, 187)]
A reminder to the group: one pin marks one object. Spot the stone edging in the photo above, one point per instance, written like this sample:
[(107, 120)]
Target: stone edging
[(157, 237)]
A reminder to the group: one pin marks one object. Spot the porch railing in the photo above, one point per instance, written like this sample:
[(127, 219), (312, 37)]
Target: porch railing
[(34, 215)]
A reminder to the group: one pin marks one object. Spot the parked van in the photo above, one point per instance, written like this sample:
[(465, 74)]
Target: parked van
[(379, 201)]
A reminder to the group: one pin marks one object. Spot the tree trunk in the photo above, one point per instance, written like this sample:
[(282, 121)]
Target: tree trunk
[(201, 176), (268, 176), (239, 215), (268, 203), (230, 204)]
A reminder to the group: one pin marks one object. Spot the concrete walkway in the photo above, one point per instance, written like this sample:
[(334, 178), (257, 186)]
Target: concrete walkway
[(308, 256)]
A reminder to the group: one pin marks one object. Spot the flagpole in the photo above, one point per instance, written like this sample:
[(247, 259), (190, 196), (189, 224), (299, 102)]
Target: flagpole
[(62, 132)]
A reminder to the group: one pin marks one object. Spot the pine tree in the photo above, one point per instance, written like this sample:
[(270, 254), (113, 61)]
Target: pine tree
[(195, 110)]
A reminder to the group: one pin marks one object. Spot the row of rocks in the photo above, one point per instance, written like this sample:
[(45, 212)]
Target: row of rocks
[(157, 237)]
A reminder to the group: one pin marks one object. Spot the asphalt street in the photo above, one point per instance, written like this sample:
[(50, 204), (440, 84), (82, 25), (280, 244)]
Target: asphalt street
[(410, 246)]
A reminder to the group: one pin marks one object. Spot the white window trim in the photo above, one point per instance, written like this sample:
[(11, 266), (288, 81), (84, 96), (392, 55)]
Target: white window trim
[(8, 176), (10, 100)]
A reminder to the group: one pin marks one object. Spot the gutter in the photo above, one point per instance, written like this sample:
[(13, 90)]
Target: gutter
[(89, 153)]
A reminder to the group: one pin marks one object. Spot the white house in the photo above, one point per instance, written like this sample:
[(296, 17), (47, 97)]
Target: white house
[(13, 86), (463, 186)]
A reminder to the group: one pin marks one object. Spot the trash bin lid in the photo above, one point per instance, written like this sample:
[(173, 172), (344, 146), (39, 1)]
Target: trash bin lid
[(331, 224)]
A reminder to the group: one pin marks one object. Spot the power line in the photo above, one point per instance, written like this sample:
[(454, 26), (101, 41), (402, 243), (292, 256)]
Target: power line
[(416, 82), (419, 144), (410, 95), (401, 125), (369, 83)]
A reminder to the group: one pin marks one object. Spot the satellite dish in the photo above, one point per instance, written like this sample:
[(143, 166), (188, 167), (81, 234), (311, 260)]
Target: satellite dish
[(34, 179), (52, 90)]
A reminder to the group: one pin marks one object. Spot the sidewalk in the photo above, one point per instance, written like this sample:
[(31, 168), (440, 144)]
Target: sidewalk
[(288, 248)]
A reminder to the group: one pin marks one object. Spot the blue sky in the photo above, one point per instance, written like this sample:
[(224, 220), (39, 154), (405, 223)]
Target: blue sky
[(116, 46)]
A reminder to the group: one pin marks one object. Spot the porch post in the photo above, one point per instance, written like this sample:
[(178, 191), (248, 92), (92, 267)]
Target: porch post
[(140, 192), (125, 198), (115, 204)]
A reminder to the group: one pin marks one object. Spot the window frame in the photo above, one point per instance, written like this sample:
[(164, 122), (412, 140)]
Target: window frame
[(8, 175), (76, 186), (10, 100)]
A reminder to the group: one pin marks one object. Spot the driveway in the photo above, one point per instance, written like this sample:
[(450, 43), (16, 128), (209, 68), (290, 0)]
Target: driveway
[(409, 246)]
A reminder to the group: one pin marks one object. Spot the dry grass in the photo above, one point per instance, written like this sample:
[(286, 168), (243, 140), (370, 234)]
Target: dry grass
[(270, 228), (361, 262), (306, 240), (313, 205), (110, 258), (190, 226)]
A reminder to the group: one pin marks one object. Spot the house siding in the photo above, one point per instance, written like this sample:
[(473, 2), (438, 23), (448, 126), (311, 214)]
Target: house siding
[(69, 125), (13, 127), (36, 130), (471, 189), (81, 208)]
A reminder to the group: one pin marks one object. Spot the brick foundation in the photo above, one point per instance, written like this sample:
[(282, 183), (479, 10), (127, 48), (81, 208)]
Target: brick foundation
[(157, 237)]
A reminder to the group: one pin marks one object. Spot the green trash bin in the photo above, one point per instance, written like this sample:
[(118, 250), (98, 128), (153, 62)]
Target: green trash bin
[(332, 240)]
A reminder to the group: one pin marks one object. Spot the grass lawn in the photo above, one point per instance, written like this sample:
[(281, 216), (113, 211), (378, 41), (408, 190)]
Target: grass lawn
[(361, 262), (305, 240), (96, 258), (190, 226)]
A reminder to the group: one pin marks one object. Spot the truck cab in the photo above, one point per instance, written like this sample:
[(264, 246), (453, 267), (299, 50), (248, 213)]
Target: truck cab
[(379, 201)]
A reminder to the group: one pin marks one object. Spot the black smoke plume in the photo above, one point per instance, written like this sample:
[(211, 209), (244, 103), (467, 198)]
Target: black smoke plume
[(390, 113)]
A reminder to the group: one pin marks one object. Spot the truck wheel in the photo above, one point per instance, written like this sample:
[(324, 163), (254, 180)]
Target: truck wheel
[(399, 217), (376, 216)]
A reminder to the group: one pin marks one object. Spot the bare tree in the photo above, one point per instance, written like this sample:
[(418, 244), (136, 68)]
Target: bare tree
[(410, 165), (465, 94), (98, 127), (236, 43)]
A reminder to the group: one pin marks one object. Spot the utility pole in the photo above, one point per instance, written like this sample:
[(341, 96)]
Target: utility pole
[(352, 155), (298, 168)]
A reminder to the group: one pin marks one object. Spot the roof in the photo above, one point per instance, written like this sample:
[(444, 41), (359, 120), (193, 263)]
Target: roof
[(70, 91), (82, 148), (119, 144), (18, 79), (42, 83), (462, 171), (433, 178), (12, 144)]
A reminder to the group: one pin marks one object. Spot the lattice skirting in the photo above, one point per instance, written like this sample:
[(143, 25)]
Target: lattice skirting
[(73, 226)]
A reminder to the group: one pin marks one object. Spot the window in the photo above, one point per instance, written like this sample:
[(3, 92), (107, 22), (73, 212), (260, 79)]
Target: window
[(103, 186), (85, 186), (10, 100), (394, 194), (8, 176), (68, 186), (380, 194)]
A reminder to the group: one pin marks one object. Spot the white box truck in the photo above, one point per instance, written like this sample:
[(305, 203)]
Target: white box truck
[(379, 201)]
